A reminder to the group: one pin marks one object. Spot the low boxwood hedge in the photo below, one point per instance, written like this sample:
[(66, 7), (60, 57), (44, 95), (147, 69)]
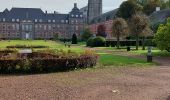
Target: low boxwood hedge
[(45, 63)]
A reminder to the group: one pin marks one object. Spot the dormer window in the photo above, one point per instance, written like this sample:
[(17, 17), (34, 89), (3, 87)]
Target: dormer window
[(3, 19), (62, 21), (17, 20), (36, 20), (13, 20), (40, 20), (72, 15), (53, 21), (49, 20)]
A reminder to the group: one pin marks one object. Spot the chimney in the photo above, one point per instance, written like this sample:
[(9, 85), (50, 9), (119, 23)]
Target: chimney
[(75, 5), (54, 12), (46, 12)]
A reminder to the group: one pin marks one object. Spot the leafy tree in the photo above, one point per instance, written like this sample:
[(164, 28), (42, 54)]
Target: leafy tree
[(101, 30), (86, 34), (162, 37), (74, 39), (139, 27), (150, 8), (128, 8), (119, 29)]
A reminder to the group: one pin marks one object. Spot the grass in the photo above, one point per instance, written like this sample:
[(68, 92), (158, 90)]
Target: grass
[(116, 60), (105, 58), (155, 52), (51, 44)]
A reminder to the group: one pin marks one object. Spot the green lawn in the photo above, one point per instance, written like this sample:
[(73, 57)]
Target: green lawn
[(155, 52), (104, 59), (116, 60), (51, 44)]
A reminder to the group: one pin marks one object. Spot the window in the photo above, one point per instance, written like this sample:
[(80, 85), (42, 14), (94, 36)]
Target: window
[(3, 19), (81, 15), (17, 20), (66, 21), (40, 20), (45, 27), (17, 26), (76, 21), (49, 20), (13, 20), (77, 15), (49, 27), (53, 21), (72, 15), (35, 20), (72, 21), (77, 28), (62, 21)]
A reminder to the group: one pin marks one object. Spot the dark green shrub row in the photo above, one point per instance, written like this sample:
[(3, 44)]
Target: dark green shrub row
[(96, 42), (148, 42), (26, 46), (40, 65)]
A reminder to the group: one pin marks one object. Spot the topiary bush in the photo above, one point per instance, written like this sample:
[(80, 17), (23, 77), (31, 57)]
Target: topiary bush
[(74, 39)]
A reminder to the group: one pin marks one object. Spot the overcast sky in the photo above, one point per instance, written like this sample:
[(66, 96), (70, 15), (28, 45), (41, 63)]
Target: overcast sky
[(61, 6)]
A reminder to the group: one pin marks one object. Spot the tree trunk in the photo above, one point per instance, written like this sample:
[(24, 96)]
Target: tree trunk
[(137, 42), (143, 43), (118, 41)]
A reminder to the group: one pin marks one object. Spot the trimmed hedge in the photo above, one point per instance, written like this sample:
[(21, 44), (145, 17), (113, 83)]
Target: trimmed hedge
[(25, 46), (148, 42), (46, 63)]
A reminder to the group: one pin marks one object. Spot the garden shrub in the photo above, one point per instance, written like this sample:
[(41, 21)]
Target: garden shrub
[(27, 46), (99, 41), (96, 42), (43, 62), (74, 39), (90, 42)]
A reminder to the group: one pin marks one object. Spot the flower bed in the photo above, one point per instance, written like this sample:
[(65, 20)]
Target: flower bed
[(42, 62)]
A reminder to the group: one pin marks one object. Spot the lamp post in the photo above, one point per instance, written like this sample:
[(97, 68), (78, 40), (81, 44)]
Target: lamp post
[(149, 55)]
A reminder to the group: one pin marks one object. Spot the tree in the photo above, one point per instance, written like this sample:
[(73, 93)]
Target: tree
[(150, 7), (139, 27), (101, 30), (86, 34), (119, 29), (162, 37), (74, 39), (128, 8)]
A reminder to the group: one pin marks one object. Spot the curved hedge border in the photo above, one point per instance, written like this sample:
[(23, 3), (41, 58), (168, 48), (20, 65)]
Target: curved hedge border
[(25, 46), (40, 65)]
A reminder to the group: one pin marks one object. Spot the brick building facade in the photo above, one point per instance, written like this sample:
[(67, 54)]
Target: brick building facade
[(33, 23)]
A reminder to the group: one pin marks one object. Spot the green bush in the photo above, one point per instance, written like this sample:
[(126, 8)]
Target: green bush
[(96, 42), (99, 41), (162, 37), (42, 62), (90, 42), (74, 39)]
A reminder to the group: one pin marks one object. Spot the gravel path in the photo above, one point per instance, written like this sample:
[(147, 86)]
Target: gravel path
[(99, 84), (95, 84)]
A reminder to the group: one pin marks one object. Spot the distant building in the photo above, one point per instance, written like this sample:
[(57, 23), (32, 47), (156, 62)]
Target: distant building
[(33, 23)]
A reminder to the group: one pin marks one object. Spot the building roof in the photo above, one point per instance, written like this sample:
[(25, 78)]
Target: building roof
[(159, 16), (106, 16), (35, 13)]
